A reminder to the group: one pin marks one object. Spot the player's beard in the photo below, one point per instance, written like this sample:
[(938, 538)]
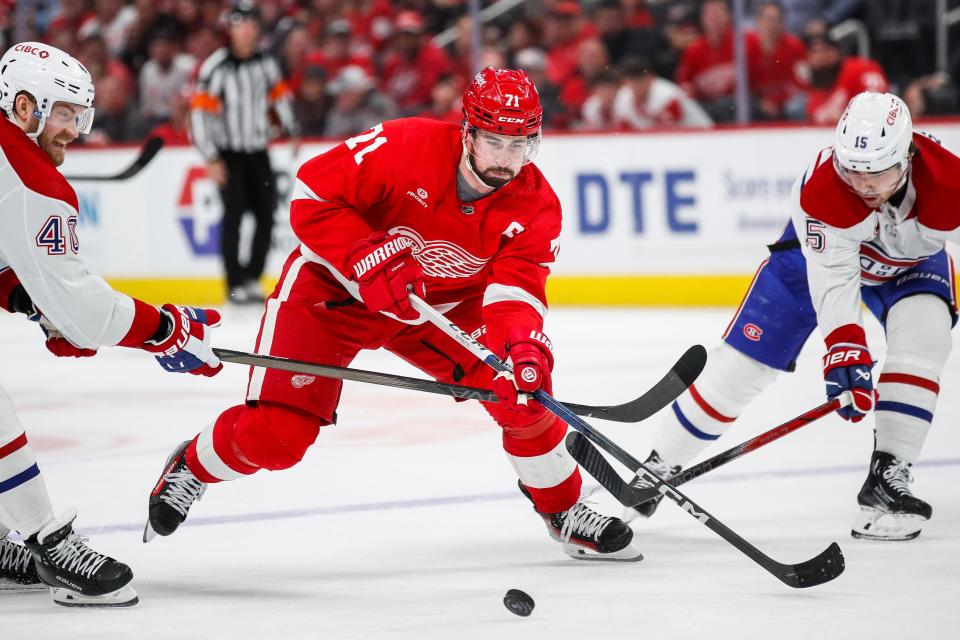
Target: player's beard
[(55, 147), (497, 177)]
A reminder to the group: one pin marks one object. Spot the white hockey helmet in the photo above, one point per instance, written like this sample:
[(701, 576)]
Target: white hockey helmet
[(50, 76), (873, 135)]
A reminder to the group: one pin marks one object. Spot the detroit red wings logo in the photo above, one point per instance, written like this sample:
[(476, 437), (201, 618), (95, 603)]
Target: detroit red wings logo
[(441, 259)]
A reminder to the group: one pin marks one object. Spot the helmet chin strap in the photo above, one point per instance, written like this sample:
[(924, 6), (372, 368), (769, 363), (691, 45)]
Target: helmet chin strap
[(43, 120)]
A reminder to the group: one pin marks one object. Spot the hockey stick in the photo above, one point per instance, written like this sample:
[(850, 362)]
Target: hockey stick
[(824, 567), (637, 492), (150, 148), (684, 372)]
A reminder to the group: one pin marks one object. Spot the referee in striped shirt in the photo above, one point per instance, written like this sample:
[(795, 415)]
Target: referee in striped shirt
[(236, 89)]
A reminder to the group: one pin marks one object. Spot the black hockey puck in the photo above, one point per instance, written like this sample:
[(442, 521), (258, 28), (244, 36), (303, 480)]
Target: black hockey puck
[(518, 602)]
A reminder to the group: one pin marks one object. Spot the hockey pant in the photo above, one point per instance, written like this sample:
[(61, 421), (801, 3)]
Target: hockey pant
[(310, 317)]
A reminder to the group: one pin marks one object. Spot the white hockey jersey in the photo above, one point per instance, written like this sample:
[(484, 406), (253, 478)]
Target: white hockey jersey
[(846, 244), (38, 241)]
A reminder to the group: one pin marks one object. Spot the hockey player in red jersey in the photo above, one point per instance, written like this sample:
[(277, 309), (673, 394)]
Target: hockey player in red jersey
[(458, 215), (46, 98), (871, 217)]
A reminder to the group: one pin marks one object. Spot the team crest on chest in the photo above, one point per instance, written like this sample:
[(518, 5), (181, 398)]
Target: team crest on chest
[(441, 258)]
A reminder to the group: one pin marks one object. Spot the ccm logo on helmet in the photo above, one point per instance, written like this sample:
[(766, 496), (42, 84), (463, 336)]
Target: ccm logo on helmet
[(37, 51), (510, 120)]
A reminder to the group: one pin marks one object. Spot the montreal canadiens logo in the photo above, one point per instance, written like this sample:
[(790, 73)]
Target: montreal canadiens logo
[(529, 374), (439, 258), (752, 332), (300, 381)]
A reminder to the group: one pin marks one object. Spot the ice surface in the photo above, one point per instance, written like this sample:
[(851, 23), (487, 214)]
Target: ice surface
[(403, 521)]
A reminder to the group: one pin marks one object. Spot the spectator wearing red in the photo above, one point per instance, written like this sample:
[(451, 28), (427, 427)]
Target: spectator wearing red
[(592, 58), (707, 71), (295, 44), (73, 15), (113, 20), (95, 56), (176, 130), (446, 100), (835, 78), (637, 13), (340, 50), (413, 64), (645, 101), (372, 22), (778, 65), (563, 30)]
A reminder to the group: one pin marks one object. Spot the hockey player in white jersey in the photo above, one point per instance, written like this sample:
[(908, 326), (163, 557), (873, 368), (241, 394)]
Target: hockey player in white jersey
[(47, 101), (870, 220)]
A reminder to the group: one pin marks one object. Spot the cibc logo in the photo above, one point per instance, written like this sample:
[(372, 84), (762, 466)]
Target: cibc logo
[(36, 51)]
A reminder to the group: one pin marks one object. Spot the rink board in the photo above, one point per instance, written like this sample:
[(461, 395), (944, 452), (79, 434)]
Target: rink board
[(649, 218)]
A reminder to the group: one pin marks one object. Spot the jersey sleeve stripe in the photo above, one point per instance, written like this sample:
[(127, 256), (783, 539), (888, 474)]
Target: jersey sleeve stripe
[(505, 293)]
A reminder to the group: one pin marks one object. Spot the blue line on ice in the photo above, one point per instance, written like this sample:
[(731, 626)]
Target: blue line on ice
[(417, 503)]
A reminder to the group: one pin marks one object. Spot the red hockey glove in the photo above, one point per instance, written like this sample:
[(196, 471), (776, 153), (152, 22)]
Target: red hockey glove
[(186, 348), (387, 273), (59, 345), (530, 353), (847, 367)]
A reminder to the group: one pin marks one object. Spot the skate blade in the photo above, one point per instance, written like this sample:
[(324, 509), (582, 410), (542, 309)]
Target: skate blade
[(629, 553), (148, 533), (873, 524), (123, 597)]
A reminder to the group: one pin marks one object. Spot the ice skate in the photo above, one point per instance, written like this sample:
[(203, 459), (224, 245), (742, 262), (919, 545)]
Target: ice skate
[(77, 575), (888, 510), (17, 564), (664, 472), (174, 494), (585, 534)]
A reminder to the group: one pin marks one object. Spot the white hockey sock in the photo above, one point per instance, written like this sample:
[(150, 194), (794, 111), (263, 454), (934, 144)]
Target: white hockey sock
[(919, 341), (24, 502), (729, 382)]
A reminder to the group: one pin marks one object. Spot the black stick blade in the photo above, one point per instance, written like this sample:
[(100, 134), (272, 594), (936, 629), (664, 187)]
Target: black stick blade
[(681, 375), (824, 568), (690, 364)]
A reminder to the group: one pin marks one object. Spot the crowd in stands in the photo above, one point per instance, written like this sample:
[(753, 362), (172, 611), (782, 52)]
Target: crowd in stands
[(599, 65)]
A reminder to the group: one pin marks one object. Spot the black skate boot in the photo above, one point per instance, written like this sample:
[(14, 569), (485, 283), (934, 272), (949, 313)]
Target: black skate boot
[(17, 564), (588, 535), (77, 575), (174, 494), (888, 510), (664, 472)]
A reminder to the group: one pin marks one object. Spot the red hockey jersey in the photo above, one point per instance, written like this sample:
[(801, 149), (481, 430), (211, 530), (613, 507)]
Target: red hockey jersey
[(401, 178)]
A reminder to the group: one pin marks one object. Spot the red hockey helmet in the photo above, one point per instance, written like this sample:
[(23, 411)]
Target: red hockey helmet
[(503, 101)]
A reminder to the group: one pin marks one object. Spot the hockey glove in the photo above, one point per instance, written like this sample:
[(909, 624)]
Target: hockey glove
[(530, 353), (185, 343), (387, 273), (847, 368), (57, 344)]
